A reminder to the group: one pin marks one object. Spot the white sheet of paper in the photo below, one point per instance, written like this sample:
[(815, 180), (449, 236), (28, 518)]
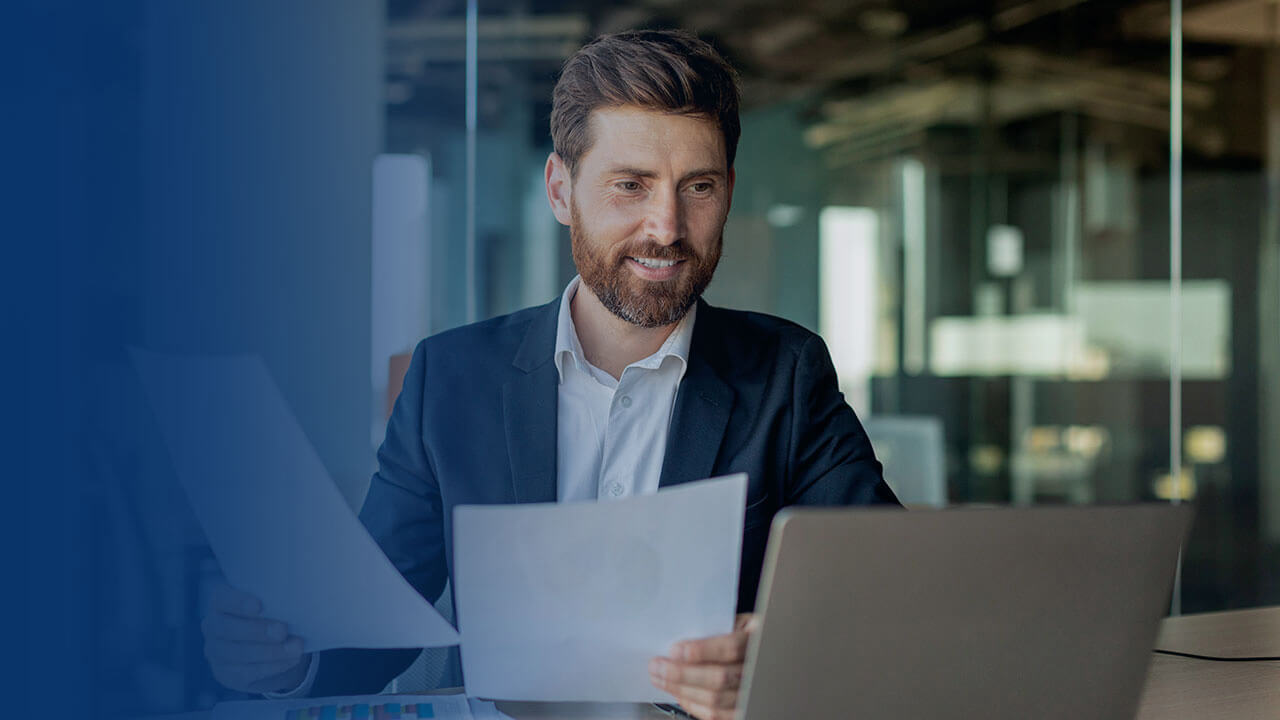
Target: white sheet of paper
[(443, 707), (570, 602), (276, 522)]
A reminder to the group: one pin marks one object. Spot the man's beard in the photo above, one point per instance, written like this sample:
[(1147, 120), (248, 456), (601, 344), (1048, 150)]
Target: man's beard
[(645, 303)]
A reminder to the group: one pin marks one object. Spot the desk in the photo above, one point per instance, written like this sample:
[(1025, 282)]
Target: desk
[(1177, 688), (1184, 688)]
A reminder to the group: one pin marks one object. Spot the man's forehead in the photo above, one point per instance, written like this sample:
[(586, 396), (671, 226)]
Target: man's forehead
[(634, 136)]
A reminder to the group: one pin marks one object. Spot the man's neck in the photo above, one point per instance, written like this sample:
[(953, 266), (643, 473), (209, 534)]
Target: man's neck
[(609, 342)]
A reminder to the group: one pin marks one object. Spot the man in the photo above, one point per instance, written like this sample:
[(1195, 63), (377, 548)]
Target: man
[(627, 383)]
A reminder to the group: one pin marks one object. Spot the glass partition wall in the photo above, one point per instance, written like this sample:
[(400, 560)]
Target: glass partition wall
[(970, 201)]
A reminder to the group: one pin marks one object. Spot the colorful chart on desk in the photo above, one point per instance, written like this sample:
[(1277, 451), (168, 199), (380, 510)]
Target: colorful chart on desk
[(358, 707)]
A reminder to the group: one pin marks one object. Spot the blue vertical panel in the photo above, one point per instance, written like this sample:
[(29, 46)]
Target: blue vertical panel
[(188, 177)]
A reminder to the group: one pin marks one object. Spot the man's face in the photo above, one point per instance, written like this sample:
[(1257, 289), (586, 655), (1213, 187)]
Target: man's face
[(647, 212)]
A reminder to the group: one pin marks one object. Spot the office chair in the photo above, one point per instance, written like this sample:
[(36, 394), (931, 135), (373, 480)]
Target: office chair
[(914, 457)]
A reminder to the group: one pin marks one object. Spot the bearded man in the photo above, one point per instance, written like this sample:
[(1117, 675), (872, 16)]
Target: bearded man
[(627, 383)]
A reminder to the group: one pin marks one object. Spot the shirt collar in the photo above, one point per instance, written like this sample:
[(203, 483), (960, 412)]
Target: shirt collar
[(568, 346)]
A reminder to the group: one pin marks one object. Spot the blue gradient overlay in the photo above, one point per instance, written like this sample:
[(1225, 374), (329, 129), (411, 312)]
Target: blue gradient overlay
[(189, 177)]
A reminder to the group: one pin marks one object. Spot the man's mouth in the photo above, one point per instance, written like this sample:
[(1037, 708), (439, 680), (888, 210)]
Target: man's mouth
[(655, 263)]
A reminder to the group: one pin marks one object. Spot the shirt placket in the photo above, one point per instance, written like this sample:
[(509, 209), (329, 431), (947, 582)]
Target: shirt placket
[(615, 483)]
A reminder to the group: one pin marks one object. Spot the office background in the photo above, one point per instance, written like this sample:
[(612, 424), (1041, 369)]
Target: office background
[(970, 200)]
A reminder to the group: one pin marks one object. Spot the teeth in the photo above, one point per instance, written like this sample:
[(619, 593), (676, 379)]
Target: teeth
[(651, 263)]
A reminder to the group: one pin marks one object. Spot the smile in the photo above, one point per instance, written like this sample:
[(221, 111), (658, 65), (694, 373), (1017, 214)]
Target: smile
[(655, 264)]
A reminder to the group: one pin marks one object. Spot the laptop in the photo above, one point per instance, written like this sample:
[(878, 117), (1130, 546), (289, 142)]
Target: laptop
[(1046, 612)]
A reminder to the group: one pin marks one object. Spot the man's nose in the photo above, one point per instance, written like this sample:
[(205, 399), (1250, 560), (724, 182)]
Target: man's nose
[(664, 222)]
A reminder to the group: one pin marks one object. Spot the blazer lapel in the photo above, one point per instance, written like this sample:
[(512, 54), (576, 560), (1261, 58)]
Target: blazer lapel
[(529, 402), (702, 408)]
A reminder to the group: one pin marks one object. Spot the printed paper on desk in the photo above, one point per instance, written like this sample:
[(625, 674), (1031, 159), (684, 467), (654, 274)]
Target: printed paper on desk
[(277, 524), (570, 602)]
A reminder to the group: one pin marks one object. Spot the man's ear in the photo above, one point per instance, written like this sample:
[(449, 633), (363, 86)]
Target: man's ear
[(559, 188)]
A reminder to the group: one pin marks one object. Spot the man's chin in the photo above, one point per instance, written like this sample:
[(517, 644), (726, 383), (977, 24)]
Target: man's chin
[(649, 314), (646, 303)]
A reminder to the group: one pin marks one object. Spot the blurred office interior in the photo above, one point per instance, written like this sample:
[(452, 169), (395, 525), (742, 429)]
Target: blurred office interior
[(971, 200)]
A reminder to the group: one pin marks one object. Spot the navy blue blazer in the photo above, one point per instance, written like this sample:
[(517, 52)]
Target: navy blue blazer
[(475, 423)]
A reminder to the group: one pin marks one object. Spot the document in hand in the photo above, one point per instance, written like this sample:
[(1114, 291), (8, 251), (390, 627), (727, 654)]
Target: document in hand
[(277, 524), (570, 602)]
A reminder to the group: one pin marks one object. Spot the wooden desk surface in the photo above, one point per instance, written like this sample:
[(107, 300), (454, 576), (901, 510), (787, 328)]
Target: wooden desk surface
[(1188, 689), (1236, 633)]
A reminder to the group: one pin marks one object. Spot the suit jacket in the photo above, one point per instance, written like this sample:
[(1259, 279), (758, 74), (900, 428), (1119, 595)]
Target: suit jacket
[(475, 423)]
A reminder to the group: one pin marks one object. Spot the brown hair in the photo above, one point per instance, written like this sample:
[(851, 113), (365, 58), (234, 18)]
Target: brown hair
[(665, 70)]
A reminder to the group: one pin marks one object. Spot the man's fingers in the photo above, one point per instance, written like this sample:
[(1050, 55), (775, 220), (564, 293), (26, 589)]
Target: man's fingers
[(731, 648), (718, 699), (710, 676), (220, 626), (713, 689), (236, 653), (248, 652), (705, 712), (705, 675), (225, 599)]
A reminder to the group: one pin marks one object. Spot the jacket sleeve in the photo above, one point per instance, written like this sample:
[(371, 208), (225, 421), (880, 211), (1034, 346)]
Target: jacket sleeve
[(832, 462), (403, 511)]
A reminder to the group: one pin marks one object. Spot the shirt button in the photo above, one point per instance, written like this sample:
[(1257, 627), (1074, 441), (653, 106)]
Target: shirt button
[(626, 401), (615, 489)]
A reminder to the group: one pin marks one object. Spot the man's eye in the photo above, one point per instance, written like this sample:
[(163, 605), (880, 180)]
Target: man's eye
[(701, 188), (628, 186)]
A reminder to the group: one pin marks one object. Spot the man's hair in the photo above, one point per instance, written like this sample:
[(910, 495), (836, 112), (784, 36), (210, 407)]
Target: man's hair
[(665, 70)]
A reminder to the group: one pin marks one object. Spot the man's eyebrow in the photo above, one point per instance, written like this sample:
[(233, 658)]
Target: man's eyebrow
[(634, 172), (704, 172)]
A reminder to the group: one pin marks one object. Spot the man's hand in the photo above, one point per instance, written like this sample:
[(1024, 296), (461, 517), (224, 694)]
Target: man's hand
[(248, 652), (704, 675)]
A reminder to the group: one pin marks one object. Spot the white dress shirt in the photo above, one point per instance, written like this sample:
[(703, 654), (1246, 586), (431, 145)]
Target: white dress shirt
[(611, 435)]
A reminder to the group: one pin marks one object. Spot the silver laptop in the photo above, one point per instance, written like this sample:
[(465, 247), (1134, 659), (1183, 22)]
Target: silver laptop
[(967, 613)]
